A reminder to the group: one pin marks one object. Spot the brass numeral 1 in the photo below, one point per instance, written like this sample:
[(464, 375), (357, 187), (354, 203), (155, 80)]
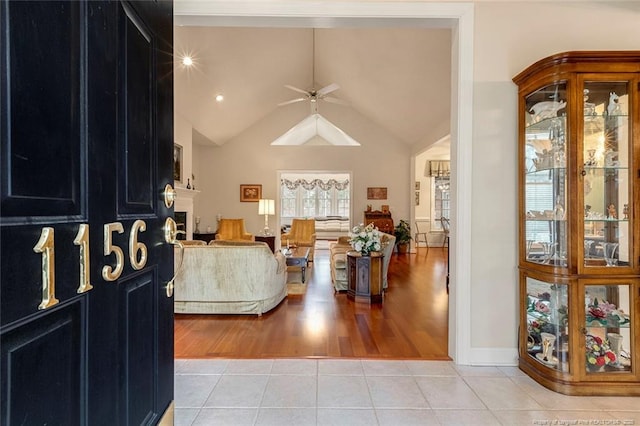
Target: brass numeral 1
[(136, 247), (108, 272), (46, 246), (82, 240)]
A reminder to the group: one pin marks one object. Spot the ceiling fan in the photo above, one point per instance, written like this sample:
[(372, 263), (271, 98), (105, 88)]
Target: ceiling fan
[(312, 94)]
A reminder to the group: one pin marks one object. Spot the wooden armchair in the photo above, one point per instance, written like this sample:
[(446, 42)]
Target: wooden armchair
[(302, 234), (233, 230)]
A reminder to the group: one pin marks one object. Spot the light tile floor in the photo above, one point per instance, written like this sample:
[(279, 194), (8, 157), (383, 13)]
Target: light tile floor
[(371, 392)]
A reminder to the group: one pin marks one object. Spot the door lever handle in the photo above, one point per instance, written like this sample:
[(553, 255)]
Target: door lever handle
[(170, 236)]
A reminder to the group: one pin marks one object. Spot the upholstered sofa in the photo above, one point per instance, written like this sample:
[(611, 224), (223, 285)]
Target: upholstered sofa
[(338, 260), (332, 227), (229, 277)]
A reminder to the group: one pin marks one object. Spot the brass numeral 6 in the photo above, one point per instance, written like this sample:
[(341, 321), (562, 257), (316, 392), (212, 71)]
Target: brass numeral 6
[(136, 247)]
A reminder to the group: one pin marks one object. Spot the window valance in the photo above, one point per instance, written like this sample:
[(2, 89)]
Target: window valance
[(439, 168), (312, 184)]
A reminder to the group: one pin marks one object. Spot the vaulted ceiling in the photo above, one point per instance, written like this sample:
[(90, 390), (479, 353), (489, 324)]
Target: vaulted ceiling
[(397, 78)]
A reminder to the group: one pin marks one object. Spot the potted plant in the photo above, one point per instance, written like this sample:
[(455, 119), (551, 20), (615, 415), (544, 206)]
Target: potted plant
[(402, 231)]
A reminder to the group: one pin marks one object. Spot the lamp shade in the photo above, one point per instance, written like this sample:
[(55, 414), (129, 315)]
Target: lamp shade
[(266, 207)]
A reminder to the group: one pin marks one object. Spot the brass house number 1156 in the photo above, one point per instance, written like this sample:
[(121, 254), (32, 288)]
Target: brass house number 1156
[(46, 246)]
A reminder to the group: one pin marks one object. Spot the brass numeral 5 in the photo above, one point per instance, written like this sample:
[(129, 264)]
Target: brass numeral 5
[(108, 272)]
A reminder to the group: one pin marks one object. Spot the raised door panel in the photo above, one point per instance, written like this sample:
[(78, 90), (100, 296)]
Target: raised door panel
[(42, 128), (137, 74)]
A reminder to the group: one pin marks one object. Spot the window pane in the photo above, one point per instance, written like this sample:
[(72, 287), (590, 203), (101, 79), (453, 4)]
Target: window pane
[(314, 202), (441, 200)]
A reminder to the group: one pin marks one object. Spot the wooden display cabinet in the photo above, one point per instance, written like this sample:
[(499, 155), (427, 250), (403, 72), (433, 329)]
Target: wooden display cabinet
[(579, 239)]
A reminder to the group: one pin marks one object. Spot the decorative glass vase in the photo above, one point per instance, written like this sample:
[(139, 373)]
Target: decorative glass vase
[(610, 253)]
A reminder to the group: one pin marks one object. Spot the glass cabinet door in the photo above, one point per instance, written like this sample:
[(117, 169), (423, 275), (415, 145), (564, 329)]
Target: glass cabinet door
[(545, 183), (608, 334), (606, 190), (548, 323)]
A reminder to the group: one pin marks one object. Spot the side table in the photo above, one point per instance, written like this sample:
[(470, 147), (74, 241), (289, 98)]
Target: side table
[(364, 275), (206, 237), (269, 239)]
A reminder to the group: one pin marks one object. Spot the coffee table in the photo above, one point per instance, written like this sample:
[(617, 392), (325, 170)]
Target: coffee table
[(298, 256)]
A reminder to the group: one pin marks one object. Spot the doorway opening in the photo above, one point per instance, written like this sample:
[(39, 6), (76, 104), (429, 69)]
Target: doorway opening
[(457, 16)]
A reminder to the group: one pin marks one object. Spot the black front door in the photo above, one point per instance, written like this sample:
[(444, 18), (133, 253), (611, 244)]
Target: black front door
[(86, 321)]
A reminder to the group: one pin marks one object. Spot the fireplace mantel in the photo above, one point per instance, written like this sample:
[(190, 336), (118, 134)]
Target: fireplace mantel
[(184, 203), (183, 193)]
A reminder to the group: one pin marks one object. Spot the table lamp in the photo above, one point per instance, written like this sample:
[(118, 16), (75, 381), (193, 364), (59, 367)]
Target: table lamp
[(266, 207)]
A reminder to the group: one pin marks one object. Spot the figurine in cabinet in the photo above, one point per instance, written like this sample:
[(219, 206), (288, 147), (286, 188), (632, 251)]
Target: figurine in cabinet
[(625, 211), (612, 108), (611, 211), (611, 158), (546, 109)]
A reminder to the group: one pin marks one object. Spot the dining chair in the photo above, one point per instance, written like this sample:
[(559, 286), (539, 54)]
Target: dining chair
[(445, 229), (421, 234)]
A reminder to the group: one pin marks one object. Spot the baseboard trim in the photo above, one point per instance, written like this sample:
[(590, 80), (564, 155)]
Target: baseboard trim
[(493, 356)]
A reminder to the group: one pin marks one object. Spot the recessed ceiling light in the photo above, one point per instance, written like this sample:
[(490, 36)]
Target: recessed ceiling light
[(187, 61), (219, 98)]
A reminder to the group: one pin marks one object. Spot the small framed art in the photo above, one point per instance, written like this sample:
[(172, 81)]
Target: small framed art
[(250, 193), (376, 193), (177, 163)]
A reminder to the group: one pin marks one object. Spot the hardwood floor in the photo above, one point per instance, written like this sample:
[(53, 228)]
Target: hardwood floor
[(410, 324)]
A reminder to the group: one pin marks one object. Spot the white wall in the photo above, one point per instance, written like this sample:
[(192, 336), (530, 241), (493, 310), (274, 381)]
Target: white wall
[(381, 161), (508, 38)]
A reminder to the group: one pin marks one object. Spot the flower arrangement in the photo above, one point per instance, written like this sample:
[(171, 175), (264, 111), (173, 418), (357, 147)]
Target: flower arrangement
[(605, 313), (598, 352), (365, 239), (539, 326)]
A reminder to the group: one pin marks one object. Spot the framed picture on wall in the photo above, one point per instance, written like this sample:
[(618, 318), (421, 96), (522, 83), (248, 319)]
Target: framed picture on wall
[(177, 163), (376, 193), (250, 193)]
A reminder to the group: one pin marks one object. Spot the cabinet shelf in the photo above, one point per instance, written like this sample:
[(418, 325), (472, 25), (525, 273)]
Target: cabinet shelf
[(587, 220), (579, 259)]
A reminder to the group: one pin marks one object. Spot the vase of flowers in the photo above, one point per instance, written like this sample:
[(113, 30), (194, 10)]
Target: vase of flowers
[(598, 353), (365, 239)]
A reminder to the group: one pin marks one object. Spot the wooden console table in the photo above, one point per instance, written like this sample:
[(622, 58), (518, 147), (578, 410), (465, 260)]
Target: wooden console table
[(364, 275)]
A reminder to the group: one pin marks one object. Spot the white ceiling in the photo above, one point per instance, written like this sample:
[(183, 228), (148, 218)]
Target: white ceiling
[(398, 78)]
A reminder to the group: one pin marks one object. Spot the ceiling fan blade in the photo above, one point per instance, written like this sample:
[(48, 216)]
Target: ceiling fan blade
[(327, 89), (295, 89), (292, 101), (335, 100)]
